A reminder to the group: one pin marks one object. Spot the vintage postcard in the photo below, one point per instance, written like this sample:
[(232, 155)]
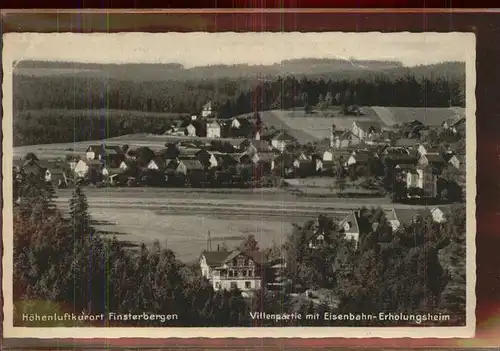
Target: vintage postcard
[(242, 185)]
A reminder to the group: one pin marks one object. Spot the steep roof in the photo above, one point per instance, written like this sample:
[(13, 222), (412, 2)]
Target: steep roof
[(215, 258)]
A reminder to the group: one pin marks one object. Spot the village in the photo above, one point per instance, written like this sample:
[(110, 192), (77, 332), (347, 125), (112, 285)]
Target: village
[(368, 158)]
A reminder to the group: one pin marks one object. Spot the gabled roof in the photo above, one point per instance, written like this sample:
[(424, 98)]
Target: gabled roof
[(353, 223), (215, 258), (159, 161)]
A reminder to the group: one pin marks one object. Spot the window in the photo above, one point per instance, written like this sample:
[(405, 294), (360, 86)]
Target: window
[(233, 285), (248, 285)]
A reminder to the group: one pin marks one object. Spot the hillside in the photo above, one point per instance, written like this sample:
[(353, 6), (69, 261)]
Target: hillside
[(173, 71)]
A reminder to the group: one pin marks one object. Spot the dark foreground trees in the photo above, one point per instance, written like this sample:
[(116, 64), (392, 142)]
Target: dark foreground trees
[(61, 263)]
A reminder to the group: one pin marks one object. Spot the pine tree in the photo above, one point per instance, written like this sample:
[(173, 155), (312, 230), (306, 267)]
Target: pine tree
[(80, 218)]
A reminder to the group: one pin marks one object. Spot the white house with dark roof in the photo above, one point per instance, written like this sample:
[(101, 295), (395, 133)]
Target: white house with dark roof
[(392, 218), (227, 270), (207, 110), (191, 130), (350, 227), (282, 140), (422, 178), (213, 130)]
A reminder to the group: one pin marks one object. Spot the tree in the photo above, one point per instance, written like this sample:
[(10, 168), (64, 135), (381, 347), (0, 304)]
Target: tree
[(30, 156), (249, 244)]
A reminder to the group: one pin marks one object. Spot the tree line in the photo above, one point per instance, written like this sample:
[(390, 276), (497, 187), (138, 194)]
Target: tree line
[(64, 261)]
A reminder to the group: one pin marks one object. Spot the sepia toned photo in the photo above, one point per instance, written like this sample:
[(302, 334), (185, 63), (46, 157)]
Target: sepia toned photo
[(239, 185)]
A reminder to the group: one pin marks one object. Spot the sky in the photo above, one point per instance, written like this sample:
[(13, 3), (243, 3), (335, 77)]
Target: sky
[(202, 49)]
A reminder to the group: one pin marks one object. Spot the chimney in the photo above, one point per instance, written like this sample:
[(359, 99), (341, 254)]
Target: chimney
[(332, 141)]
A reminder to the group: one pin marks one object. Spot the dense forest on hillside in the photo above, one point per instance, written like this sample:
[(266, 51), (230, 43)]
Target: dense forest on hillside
[(423, 87)]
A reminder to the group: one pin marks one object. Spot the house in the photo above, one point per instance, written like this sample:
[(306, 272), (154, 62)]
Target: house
[(128, 165), (424, 149), (112, 154), (81, 168), (316, 239), (350, 227), (438, 215), (342, 139), (392, 218), (366, 129), (456, 161), (157, 164), (207, 158), (194, 117), (453, 124), (336, 154), (191, 130), (434, 160), (282, 140), (213, 130), (207, 110), (424, 178), (233, 269), (240, 122)]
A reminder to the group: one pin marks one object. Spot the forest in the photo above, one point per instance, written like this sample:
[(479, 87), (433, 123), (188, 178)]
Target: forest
[(50, 109), (62, 263)]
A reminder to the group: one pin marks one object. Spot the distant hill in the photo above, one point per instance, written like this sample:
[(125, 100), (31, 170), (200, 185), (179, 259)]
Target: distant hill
[(174, 71)]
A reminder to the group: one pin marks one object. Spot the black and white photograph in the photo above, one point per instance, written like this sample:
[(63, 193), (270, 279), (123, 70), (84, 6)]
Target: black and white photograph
[(239, 184)]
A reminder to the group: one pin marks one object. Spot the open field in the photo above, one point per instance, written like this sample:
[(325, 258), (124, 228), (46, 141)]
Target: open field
[(182, 218)]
